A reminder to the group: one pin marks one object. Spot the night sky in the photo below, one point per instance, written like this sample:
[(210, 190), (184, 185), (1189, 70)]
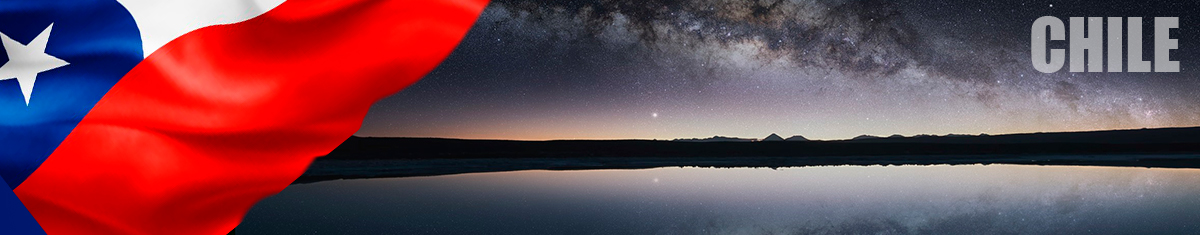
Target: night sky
[(655, 69)]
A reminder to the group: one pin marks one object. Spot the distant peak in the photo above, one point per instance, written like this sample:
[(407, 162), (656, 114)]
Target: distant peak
[(773, 137), (716, 139), (865, 137), (796, 138)]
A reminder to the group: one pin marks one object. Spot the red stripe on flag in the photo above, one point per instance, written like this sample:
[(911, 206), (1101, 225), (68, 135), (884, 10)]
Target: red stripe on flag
[(226, 115)]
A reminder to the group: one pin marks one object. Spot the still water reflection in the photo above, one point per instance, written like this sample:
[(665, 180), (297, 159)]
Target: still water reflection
[(996, 199)]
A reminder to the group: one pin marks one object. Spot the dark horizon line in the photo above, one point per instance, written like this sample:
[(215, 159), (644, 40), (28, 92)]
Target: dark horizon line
[(818, 140)]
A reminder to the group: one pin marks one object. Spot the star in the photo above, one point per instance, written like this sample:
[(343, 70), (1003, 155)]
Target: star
[(26, 61)]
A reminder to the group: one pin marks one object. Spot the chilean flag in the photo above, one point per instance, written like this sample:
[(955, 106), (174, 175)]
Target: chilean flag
[(176, 116)]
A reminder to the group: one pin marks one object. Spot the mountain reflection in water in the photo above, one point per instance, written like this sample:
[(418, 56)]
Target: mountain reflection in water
[(964, 199)]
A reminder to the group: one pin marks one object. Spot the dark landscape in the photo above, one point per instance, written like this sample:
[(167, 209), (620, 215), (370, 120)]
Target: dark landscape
[(364, 157)]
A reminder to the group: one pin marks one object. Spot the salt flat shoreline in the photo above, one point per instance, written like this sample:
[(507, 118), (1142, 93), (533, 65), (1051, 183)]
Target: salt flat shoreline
[(369, 157), (338, 169)]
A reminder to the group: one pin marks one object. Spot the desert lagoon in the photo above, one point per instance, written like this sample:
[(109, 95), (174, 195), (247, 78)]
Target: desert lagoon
[(939, 199)]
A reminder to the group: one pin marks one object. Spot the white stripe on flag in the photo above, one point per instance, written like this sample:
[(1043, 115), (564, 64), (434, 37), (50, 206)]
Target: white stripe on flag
[(161, 21)]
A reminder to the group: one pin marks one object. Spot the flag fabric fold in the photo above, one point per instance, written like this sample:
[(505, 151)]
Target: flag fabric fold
[(223, 116), (13, 216)]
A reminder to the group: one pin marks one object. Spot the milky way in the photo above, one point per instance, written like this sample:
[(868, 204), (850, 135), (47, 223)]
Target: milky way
[(823, 69)]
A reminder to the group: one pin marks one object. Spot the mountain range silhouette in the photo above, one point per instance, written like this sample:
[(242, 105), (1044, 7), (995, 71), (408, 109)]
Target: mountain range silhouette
[(368, 157)]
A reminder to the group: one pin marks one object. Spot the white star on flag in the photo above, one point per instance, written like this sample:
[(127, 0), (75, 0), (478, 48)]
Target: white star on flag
[(26, 61)]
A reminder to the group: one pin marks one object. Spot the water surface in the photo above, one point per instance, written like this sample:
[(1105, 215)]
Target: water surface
[(975, 199)]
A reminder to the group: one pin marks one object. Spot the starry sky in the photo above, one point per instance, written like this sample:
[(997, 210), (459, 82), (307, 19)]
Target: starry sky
[(664, 69)]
